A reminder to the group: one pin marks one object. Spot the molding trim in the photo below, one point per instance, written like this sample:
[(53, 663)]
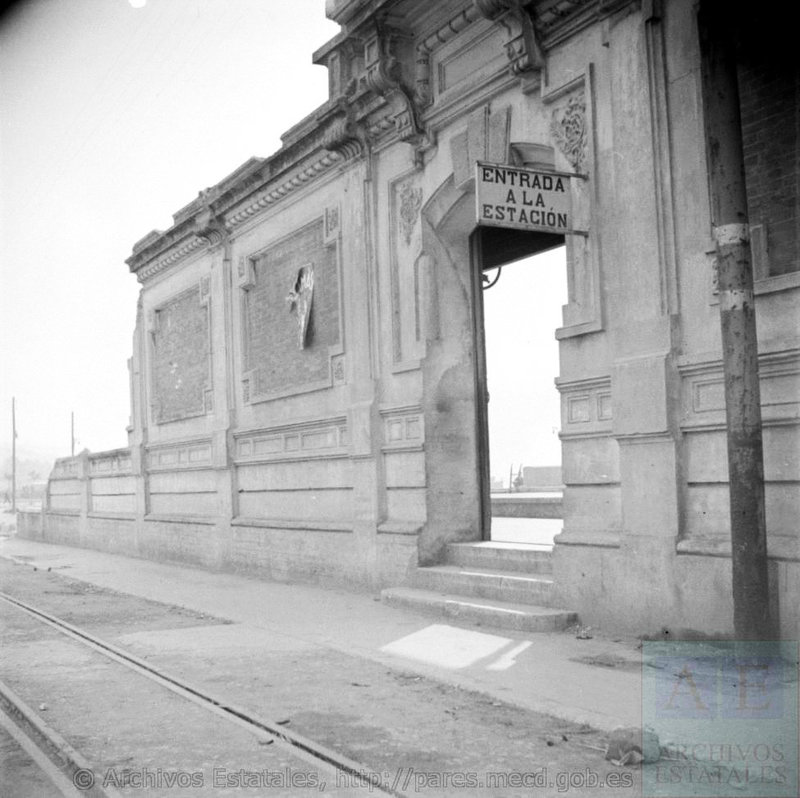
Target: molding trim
[(403, 428), (315, 439), (118, 462), (180, 455), (703, 391), (272, 195), (284, 524), (779, 547), (197, 520), (593, 538)]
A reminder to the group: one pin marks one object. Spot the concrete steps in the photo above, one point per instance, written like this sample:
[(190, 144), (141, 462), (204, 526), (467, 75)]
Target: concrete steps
[(486, 612), (483, 583), (494, 584), (530, 559)]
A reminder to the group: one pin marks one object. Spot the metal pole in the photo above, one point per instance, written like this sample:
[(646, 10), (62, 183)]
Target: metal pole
[(752, 618), (13, 454)]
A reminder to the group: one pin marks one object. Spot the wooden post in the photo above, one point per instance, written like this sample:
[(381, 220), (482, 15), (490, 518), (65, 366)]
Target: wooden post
[(752, 618)]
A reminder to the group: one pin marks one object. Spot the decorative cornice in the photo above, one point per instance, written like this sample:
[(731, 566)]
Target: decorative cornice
[(344, 136), (210, 228), (271, 196), (384, 78), (425, 47), (380, 84), (552, 12), (152, 268), (522, 48)]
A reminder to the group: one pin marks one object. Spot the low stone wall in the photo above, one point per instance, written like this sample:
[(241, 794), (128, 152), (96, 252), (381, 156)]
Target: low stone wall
[(30, 525), (527, 506), (102, 513)]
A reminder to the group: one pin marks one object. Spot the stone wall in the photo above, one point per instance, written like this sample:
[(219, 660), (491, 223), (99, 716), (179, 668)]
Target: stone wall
[(180, 357), (308, 369)]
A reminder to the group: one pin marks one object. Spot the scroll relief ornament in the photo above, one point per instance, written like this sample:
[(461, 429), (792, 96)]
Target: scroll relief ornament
[(410, 203), (299, 301), (568, 128)]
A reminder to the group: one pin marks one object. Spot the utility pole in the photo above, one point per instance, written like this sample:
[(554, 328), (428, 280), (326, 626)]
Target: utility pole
[(13, 454), (752, 618)]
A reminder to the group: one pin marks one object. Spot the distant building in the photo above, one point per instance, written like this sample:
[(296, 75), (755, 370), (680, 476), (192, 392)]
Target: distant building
[(308, 379)]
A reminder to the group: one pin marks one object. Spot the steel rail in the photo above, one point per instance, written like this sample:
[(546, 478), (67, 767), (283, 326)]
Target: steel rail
[(299, 745)]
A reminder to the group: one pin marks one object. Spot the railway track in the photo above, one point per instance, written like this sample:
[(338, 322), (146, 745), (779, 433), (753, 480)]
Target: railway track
[(347, 777)]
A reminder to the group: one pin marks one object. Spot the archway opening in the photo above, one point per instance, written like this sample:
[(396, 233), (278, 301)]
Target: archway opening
[(523, 289)]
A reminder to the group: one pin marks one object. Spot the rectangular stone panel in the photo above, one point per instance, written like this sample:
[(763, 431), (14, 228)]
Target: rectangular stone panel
[(592, 507), (65, 502), (404, 469), (183, 504), (113, 486), (122, 503), (406, 504), (65, 487), (283, 355), (181, 369), (588, 461), (297, 505), (298, 476), (183, 482)]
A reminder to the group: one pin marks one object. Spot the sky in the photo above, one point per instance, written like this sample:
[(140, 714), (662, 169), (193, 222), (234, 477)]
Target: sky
[(112, 118), (521, 313), (114, 114)]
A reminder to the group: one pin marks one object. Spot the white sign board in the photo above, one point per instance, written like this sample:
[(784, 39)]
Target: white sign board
[(509, 196)]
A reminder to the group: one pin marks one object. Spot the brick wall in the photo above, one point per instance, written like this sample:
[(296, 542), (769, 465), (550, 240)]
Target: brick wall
[(181, 358), (273, 352), (770, 101)]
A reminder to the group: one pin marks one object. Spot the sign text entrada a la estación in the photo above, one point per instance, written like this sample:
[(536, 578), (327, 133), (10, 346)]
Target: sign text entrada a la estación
[(509, 196)]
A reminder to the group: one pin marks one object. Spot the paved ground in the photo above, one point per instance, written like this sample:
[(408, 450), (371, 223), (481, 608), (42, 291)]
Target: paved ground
[(595, 681), (400, 693)]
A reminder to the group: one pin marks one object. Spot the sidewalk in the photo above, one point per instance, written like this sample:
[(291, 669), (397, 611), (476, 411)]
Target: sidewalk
[(595, 681)]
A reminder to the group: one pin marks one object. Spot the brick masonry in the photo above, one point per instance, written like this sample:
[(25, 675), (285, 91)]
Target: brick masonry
[(770, 103), (181, 373), (364, 482), (273, 352)]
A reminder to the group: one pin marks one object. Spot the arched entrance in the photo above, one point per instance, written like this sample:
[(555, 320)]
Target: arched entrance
[(456, 255), (519, 292)]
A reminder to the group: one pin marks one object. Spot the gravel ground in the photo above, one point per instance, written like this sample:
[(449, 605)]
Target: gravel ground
[(425, 736)]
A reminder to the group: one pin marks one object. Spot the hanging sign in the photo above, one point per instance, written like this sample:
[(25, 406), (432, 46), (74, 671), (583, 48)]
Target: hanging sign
[(509, 196)]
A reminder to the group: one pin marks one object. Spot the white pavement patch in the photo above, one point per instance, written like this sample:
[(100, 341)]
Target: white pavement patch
[(509, 658), (451, 647)]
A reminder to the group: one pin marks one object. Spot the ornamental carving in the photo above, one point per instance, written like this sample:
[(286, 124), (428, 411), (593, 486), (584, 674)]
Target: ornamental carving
[(337, 368), (522, 48), (208, 227), (384, 78), (299, 301), (568, 128), (410, 203)]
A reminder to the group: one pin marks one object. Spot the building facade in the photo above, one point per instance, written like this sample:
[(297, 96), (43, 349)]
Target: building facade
[(308, 373)]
